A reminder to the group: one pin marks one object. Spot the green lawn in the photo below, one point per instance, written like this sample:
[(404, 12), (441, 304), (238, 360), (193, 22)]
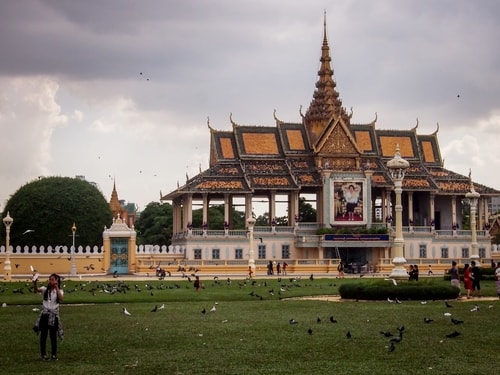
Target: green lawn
[(249, 333)]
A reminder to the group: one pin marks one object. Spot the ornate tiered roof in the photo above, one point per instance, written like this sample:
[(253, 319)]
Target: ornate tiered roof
[(292, 156)]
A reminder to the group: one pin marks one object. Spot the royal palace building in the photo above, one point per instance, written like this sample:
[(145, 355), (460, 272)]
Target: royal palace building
[(340, 168)]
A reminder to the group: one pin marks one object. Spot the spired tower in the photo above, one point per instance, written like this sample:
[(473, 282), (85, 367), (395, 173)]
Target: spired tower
[(114, 202), (127, 212), (119, 241), (326, 105)]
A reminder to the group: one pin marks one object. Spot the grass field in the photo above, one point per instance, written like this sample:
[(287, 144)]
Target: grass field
[(249, 332)]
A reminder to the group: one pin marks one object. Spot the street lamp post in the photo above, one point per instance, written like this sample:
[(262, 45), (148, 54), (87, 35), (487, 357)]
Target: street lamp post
[(7, 220), (397, 168), (73, 260), (473, 197), (251, 260)]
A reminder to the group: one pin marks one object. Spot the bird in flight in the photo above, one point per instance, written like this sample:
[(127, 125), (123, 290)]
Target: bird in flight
[(28, 231)]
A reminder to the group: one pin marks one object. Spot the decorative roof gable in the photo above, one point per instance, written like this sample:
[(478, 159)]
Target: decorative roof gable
[(337, 139)]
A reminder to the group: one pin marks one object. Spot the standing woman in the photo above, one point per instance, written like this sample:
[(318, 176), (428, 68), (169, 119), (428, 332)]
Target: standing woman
[(467, 280), (49, 322)]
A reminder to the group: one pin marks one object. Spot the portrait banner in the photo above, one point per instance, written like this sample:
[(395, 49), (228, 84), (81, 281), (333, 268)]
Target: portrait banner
[(348, 202)]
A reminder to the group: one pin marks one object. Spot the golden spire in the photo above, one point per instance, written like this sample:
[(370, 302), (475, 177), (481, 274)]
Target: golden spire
[(114, 202), (326, 102)]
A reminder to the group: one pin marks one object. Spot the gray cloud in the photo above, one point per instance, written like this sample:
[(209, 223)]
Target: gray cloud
[(402, 60)]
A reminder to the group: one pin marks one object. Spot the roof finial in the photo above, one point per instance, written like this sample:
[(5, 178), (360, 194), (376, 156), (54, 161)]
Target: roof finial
[(324, 25), (231, 119), (278, 121), (208, 123), (437, 129)]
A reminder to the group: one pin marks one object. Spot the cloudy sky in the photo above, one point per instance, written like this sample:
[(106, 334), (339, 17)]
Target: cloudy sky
[(122, 89)]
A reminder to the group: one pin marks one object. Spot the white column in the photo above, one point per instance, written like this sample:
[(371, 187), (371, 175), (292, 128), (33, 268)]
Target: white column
[(397, 168), (473, 197)]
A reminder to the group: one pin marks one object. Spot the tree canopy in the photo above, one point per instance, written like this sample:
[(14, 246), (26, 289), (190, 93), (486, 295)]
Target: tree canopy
[(154, 225), (44, 211)]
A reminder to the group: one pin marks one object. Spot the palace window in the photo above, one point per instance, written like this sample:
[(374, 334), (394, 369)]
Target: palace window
[(465, 252), (422, 251), (444, 252), (215, 253), (482, 252), (285, 252), (238, 253), (262, 252), (197, 253)]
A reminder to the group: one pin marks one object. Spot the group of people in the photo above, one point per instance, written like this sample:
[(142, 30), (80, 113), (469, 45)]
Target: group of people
[(413, 272), (280, 268), (472, 278)]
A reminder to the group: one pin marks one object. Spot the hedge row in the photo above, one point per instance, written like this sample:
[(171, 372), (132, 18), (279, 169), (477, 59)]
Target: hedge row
[(403, 291)]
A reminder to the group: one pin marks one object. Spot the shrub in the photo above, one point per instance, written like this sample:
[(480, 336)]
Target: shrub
[(404, 290)]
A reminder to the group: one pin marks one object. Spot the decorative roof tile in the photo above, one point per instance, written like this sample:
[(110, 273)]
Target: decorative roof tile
[(227, 148), (364, 140), (260, 143), (295, 139), (388, 145), (219, 185), (428, 152)]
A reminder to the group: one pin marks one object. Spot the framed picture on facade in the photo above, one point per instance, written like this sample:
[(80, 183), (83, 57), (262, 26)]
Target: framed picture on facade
[(348, 202)]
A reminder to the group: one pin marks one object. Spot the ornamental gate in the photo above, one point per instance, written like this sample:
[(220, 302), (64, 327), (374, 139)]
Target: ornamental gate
[(119, 256)]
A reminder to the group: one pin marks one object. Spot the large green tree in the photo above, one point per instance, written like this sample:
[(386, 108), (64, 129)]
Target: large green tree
[(44, 211), (154, 226), (216, 218), (307, 215)]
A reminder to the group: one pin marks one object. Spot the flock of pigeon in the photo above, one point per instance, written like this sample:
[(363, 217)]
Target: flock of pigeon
[(396, 337), (271, 290)]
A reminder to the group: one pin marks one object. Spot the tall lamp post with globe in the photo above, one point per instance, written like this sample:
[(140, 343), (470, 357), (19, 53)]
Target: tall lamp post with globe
[(73, 260), (473, 196), (397, 168), (251, 260), (7, 220)]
